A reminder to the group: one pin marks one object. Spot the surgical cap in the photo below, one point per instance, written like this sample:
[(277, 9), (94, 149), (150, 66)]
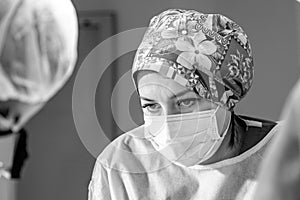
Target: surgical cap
[(207, 53), (38, 48)]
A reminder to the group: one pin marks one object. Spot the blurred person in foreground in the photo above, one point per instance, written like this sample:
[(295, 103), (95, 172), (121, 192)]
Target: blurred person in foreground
[(190, 71), (280, 175), (38, 52)]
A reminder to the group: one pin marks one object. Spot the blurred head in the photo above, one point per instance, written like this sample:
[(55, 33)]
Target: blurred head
[(38, 51), (190, 62)]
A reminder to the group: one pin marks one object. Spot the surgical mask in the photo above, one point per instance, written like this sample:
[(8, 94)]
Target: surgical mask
[(187, 139)]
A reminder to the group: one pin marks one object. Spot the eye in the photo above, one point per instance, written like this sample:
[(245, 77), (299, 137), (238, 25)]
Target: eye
[(186, 103), (152, 108)]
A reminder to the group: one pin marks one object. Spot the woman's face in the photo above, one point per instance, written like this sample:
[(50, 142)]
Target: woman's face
[(164, 96)]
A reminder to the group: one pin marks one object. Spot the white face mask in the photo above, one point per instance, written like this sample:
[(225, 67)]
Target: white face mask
[(188, 139)]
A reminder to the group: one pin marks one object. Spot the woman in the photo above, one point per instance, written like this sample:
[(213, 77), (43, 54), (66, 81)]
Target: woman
[(38, 51), (190, 71)]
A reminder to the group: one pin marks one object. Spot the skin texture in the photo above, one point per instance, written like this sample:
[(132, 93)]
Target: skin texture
[(163, 96)]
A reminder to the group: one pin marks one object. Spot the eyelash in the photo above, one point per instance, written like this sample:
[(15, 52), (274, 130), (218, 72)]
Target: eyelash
[(178, 103), (151, 110), (193, 100), (147, 105)]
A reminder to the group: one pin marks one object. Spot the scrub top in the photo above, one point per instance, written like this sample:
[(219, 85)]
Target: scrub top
[(130, 168)]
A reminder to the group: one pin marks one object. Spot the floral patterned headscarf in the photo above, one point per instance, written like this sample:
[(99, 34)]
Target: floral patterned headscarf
[(207, 53)]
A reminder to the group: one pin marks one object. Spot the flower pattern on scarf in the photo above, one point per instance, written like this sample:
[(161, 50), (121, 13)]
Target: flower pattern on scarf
[(178, 30), (239, 67), (207, 53), (194, 51)]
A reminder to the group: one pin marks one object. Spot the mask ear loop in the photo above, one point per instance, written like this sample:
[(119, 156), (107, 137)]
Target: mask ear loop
[(215, 131)]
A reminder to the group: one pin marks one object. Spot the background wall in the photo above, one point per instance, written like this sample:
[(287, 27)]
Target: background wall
[(60, 166), (271, 26)]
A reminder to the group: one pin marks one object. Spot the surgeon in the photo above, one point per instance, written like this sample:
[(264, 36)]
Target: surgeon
[(38, 52), (190, 71)]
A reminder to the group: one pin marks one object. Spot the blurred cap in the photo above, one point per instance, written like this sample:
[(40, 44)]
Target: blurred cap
[(38, 52)]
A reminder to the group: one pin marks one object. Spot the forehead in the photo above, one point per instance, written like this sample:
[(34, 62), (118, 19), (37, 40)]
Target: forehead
[(152, 83)]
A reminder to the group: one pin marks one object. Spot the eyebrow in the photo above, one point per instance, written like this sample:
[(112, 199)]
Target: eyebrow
[(172, 97)]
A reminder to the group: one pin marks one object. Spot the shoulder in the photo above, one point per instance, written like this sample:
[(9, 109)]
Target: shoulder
[(126, 142), (131, 152), (260, 134), (269, 133)]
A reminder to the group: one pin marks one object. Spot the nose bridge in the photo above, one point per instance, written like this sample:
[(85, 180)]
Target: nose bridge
[(169, 109)]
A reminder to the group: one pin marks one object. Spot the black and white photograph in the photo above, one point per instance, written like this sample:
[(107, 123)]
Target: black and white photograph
[(149, 100)]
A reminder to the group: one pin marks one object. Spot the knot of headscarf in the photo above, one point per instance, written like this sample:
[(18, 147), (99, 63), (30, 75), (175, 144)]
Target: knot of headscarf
[(207, 53)]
